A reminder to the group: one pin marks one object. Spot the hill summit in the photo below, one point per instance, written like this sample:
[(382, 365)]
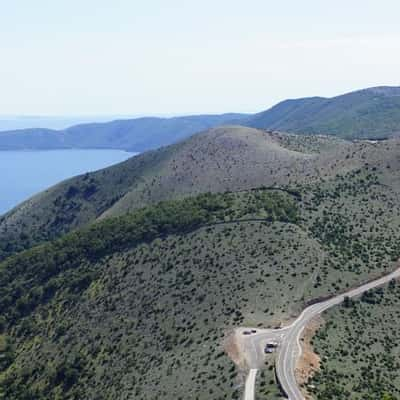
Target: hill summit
[(228, 158)]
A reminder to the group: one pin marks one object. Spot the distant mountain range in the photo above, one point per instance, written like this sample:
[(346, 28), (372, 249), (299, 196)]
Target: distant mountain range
[(369, 113), (366, 114), (138, 134)]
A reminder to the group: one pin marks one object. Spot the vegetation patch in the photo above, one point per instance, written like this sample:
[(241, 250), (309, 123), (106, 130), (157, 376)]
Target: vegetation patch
[(359, 348)]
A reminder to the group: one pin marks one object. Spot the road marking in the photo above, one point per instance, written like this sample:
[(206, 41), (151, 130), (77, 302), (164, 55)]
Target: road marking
[(286, 370), (298, 341)]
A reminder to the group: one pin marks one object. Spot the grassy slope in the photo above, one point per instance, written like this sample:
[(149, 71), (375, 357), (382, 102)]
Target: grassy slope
[(371, 113), (132, 318), (139, 320), (309, 144), (359, 349), (228, 158), (87, 306), (155, 321), (267, 387), (222, 159), (72, 203)]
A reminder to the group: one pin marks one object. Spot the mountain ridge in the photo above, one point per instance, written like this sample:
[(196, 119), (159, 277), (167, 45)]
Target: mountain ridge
[(139, 134), (227, 158), (372, 113), (218, 160)]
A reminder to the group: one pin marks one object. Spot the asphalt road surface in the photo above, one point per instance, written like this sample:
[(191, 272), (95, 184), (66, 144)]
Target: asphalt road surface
[(288, 340)]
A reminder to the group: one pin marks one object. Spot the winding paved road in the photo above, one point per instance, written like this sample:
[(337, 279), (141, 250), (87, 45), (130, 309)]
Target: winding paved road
[(288, 339)]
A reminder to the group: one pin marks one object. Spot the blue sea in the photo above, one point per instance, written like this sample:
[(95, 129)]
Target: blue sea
[(25, 173)]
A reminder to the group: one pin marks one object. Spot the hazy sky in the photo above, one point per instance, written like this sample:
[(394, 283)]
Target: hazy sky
[(69, 57)]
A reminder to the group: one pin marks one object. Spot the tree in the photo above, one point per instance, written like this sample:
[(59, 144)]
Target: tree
[(347, 302), (388, 396)]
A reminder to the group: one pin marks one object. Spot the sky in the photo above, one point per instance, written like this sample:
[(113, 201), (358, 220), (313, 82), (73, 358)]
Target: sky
[(158, 57)]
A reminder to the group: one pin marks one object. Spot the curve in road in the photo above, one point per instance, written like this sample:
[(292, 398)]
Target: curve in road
[(288, 340)]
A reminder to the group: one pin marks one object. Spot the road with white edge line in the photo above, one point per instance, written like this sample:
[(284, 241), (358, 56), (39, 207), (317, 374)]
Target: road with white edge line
[(288, 341)]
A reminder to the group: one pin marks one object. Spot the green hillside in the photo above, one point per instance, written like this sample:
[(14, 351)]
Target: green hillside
[(141, 305), (114, 312), (360, 341), (144, 269), (222, 159), (371, 113)]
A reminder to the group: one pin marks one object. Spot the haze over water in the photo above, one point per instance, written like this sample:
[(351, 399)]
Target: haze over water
[(25, 173)]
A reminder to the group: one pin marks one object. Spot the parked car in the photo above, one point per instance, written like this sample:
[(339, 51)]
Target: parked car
[(270, 347)]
